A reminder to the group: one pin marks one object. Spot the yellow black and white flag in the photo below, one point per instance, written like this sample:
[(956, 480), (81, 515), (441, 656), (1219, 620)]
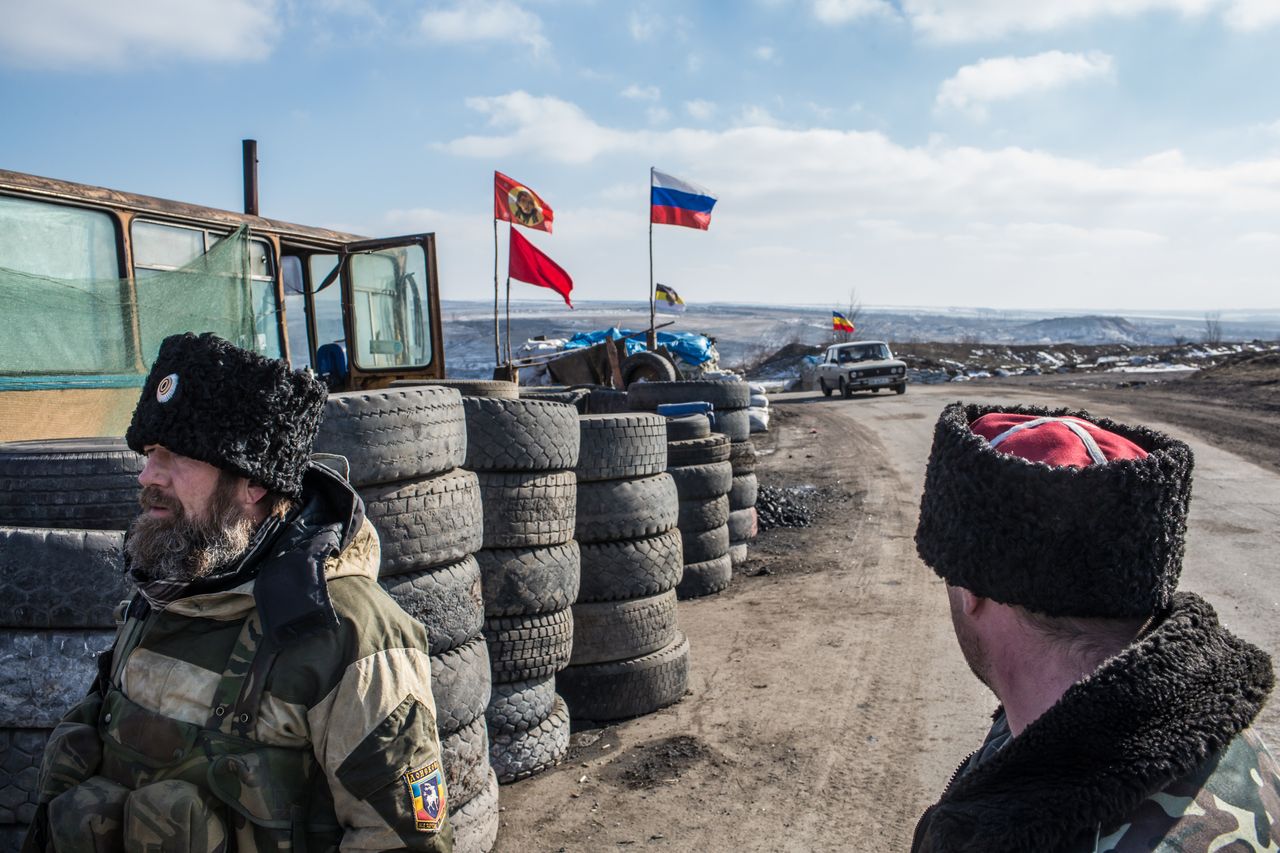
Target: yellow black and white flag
[(667, 299)]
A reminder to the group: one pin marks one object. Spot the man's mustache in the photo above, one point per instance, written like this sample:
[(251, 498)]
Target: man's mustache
[(152, 496)]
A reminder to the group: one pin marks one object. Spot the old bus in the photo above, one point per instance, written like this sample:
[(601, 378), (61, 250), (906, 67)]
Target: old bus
[(92, 279)]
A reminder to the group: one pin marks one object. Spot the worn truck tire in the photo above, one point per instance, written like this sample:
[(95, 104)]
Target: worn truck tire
[(703, 514), (493, 388), (44, 673), (647, 396), (447, 601), (700, 482), (69, 483), (627, 688), (425, 522), (21, 752), (520, 705), (743, 492), (460, 684), (630, 568), (618, 446), (61, 578), (520, 435), (742, 455), (611, 510), (734, 423), (602, 401), (576, 397), (688, 426), (706, 545), (705, 578), (475, 823), (528, 509), (647, 366), (737, 553), (617, 630), (742, 525), (523, 648), (698, 451), (395, 433), (465, 756), (519, 754), (522, 581)]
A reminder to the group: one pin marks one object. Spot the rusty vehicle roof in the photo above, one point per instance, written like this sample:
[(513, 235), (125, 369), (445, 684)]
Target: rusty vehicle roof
[(53, 189)]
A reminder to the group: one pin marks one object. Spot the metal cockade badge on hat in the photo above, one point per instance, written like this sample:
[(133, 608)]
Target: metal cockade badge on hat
[(167, 388)]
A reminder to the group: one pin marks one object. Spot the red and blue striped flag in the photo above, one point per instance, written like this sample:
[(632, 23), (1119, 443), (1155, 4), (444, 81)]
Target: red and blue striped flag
[(676, 202)]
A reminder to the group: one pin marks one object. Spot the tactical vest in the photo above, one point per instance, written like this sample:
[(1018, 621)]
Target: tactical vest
[(169, 784)]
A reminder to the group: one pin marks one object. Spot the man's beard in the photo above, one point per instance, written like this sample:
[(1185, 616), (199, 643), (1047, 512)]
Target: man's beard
[(179, 547)]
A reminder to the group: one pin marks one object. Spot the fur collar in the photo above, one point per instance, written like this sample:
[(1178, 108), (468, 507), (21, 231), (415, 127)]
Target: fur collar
[(1148, 716)]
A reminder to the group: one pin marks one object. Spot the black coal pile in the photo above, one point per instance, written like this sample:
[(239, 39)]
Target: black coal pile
[(791, 506)]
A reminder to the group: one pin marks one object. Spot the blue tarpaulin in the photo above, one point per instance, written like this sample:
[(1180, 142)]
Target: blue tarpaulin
[(689, 347)]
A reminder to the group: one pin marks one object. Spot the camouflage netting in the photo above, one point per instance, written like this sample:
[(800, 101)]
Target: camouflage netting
[(83, 331)]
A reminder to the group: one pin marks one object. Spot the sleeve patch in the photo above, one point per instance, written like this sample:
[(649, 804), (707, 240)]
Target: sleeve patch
[(427, 792)]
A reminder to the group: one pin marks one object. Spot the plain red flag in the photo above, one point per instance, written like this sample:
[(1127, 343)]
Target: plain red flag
[(514, 202), (525, 263)]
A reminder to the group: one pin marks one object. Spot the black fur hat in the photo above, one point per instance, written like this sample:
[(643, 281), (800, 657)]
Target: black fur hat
[(210, 400), (1103, 540)]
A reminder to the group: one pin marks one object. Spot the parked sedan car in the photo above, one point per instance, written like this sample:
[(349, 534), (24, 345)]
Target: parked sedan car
[(861, 366)]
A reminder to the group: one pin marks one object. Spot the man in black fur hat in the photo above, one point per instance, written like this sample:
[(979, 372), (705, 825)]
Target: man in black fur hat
[(263, 693), (1125, 712)]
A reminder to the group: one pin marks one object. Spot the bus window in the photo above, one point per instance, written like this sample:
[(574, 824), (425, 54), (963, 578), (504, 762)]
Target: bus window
[(328, 302), (389, 291), (60, 269), (295, 310), (175, 294)]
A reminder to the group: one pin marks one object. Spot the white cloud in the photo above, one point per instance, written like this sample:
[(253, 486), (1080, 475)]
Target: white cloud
[(843, 11), (643, 25), (756, 116), (966, 20), (764, 53), (992, 219), (642, 93), (658, 115), (700, 109), (1007, 77), (484, 20), (95, 34)]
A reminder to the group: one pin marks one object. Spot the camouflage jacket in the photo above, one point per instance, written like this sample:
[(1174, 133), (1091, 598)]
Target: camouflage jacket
[(293, 709), (1151, 752)]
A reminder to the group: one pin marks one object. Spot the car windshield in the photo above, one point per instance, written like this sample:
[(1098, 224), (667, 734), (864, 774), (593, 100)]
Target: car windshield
[(867, 352)]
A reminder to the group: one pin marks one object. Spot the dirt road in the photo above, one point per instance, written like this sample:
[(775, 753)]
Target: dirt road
[(827, 700)]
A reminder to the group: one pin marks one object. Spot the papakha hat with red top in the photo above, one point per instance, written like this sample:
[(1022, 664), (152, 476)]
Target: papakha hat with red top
[(1055, 510)]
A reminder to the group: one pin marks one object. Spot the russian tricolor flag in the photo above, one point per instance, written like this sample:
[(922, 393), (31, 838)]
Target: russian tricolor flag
[(676, 202)]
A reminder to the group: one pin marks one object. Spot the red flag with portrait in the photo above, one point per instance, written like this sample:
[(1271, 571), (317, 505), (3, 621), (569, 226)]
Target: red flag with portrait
[(525, 263), (514, 202)]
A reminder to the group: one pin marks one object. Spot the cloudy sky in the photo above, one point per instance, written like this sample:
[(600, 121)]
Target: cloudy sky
[(1057, 154)]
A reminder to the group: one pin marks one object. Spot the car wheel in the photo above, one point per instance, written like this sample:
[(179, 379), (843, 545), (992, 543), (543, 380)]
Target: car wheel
[(845, 390), (822, 383), (902, 388)]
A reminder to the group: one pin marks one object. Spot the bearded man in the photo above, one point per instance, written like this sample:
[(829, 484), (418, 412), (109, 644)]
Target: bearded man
[(263, 692), (1124, 723)]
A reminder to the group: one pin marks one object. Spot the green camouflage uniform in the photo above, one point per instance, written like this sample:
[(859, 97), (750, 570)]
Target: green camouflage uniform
[(1152, 752), (212, 734)]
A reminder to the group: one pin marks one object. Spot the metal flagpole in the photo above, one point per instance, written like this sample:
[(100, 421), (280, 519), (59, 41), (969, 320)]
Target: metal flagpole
[(497, 351), (653, 335), (508, 318)]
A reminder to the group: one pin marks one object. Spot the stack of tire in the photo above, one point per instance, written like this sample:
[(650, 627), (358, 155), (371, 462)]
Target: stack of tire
[(524, 452), (698, 461), (730, 401), (404, 446), (63, 507), (629, 656)]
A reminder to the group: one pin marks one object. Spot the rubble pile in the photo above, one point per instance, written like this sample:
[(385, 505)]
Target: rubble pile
[(792, 506)]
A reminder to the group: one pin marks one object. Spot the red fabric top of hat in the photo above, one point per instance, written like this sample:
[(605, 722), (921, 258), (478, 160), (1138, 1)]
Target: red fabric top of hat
[(1054, 441)]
